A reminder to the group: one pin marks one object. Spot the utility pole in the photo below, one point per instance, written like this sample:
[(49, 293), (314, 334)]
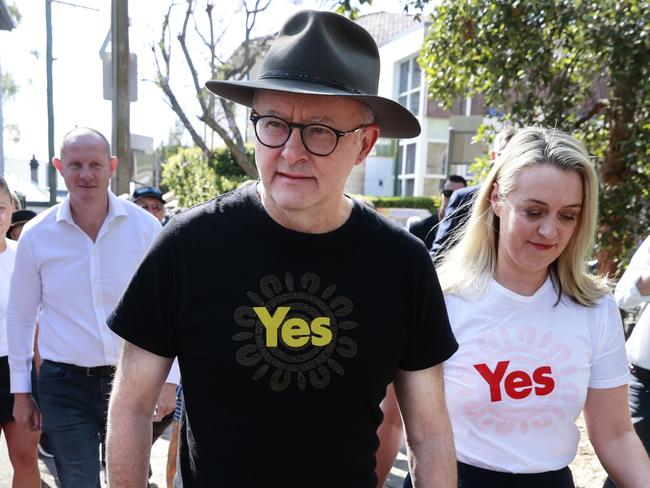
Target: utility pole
[(121, 103), (51, 170)]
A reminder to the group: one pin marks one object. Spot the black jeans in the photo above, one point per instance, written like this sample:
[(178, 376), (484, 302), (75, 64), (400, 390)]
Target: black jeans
[(473, 477)]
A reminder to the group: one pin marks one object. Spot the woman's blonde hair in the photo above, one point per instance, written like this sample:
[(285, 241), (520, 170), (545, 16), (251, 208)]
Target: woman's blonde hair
[(466, 268)]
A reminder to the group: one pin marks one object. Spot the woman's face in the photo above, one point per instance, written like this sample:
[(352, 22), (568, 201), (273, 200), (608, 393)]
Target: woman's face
[(536, 220), (6, 209)]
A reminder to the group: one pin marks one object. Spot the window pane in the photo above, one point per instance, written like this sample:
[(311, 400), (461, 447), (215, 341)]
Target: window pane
[(400, 159), (416, 72), (402, 100), (410, 159), (431, 187), (436, 154), (409, 185), (403, 76), (414, 103)]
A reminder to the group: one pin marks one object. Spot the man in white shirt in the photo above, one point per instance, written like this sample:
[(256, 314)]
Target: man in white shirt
[(633, 290), (73, 262)]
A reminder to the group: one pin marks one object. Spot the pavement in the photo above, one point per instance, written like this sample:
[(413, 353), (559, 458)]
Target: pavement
[(48, 470)]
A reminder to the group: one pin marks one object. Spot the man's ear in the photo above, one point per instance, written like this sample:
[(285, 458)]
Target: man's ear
[(112, 164), (369, 136), (56, 162), (495, 199)]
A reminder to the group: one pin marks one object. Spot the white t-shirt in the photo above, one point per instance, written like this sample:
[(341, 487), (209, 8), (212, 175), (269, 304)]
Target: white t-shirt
[(7, 259), (519, 379)]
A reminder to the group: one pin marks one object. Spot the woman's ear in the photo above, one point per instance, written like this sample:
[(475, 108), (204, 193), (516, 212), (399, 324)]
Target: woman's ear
[(495, 199)]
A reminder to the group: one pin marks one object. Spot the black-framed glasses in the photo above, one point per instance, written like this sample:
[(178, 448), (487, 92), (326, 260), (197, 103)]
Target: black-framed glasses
[(447, 193), (318, 139)]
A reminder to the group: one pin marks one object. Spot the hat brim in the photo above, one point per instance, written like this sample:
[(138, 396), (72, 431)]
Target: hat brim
[(393, 119), (150, 195), (20, 222)]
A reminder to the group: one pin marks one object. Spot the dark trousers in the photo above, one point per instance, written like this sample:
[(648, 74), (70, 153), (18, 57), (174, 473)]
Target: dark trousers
[(473, 477), (74, 409), (639, 402)]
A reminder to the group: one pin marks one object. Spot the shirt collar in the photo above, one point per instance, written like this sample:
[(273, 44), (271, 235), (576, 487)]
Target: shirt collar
[(115, 209)]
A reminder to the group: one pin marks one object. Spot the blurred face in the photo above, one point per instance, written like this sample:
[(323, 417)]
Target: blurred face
[(153, 206), (15, 232), (6, 209), (86, 167), (447, 190), (537, 220), (295, 180)]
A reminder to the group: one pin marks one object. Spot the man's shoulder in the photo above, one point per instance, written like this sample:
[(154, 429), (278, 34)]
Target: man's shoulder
[(231, 204), (387, 236), (41, 221)]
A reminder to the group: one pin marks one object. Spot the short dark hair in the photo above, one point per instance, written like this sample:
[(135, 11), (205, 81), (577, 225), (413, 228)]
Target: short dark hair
[(457, 179)]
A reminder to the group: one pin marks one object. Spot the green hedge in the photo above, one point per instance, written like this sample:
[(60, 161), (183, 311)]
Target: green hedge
[(430, 203)]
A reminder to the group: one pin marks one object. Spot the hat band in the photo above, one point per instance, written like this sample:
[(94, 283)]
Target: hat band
[(290, 75)]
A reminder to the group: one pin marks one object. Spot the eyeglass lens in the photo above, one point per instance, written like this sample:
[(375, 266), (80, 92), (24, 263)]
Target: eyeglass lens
[(275, 132)]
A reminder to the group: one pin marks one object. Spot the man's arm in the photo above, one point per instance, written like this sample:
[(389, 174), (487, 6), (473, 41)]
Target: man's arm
[(429, 438), (633, 289), (390, 435), (25, 297), (611, 433), (139, 379)]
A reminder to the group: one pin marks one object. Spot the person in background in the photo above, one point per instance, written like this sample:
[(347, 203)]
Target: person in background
[(75, 260), (460, 202), (150, 199), (286, 328), (18, 220), (453, 183), (633, 290), (21, 442), (424, 228)]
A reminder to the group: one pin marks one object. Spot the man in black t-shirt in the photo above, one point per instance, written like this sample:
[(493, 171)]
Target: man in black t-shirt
[(290, 306)]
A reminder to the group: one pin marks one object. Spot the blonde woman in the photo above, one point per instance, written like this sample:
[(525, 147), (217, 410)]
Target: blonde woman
[(540, 338), (21, 443)]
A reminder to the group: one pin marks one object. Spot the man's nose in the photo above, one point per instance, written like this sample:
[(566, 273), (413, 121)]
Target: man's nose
[(294, 149)]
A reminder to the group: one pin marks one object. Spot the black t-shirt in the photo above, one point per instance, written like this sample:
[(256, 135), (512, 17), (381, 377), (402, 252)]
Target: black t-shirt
[(286, 341)]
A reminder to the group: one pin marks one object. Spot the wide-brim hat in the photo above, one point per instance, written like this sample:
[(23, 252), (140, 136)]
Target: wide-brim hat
[(323, 53)]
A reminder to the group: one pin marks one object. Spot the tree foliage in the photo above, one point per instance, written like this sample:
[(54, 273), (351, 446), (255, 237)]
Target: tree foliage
[(194, 179), (205, 27), (580, 66)]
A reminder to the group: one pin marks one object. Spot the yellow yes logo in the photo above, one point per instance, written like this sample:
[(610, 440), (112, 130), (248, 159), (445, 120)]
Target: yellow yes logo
[(294, 332)]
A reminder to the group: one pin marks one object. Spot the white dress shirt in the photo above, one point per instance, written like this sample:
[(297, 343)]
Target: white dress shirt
[(628, 296), (76, 283), (7, 258)]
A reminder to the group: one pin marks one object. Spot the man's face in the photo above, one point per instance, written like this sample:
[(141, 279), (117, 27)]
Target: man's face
[(296, 180), (86, 168), (152, 205), (447, 190)]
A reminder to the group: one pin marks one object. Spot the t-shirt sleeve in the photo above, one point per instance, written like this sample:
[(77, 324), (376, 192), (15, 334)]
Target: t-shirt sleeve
[(430, 340), (147, 312), (609, 367)]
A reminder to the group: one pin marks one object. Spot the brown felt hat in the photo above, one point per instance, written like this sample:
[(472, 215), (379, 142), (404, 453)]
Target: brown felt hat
[(323, 53)]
